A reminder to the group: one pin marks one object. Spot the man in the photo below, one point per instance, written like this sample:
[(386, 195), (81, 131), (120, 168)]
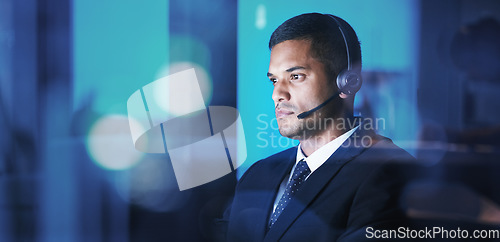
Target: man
[(342, 178)]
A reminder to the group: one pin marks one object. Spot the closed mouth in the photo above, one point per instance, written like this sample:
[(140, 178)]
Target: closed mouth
[(280, 113)]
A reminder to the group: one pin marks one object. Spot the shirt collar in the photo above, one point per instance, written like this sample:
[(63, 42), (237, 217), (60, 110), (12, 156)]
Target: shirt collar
[(318, 157)]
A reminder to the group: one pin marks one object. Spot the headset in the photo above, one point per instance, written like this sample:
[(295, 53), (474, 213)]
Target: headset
[(348, 81)]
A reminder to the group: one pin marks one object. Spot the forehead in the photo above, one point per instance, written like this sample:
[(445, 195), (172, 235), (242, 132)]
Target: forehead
[(293, 53), (291, 50)]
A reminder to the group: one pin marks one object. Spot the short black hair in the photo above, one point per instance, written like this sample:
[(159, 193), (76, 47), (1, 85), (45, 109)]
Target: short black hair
[(327, 42)]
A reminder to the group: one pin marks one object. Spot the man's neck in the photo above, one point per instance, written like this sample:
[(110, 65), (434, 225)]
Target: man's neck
[(315, 142), (319, 139)]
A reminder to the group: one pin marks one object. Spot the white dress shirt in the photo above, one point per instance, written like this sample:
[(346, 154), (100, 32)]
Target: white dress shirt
[(315, 160)]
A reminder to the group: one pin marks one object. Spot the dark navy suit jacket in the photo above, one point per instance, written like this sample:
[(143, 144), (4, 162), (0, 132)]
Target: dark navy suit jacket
[(358, 186)]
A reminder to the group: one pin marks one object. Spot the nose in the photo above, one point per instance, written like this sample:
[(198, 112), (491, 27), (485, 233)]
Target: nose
[(281, 92)]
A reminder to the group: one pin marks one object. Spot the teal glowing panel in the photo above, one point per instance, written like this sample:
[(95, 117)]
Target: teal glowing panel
[(119, 46)]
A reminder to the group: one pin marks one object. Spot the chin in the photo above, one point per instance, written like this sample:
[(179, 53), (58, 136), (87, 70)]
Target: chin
[(290, 130), (290, 135)]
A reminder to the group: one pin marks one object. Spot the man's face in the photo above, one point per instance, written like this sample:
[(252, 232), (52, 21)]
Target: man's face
[(300, 84)]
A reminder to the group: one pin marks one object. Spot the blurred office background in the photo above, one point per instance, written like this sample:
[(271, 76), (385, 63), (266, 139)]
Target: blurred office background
[(68, 167)]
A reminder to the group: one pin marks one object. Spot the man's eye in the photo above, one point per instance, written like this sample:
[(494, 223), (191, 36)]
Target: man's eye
[(273, 80), (296, 76)]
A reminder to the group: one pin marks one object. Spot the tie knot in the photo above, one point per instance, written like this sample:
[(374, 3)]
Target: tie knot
[(301, 170)]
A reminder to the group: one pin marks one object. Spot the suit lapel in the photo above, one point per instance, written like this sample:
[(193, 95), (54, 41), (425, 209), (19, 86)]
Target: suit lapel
[(316, 183), (264, 200)]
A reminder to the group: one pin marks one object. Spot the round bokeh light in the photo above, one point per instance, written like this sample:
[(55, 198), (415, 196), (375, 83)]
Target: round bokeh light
[(109, 143)]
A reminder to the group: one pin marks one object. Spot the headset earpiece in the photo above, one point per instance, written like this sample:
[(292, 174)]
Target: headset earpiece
[(349, 82)]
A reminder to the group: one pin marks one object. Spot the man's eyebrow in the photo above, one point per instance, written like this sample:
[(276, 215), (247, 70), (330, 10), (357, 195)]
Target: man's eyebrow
[(288, 70), (295, 68)]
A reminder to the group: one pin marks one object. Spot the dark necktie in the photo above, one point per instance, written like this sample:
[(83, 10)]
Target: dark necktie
[(298, 177)]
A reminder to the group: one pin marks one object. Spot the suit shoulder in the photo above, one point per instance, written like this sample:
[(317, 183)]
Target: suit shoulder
[(386, 147)]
